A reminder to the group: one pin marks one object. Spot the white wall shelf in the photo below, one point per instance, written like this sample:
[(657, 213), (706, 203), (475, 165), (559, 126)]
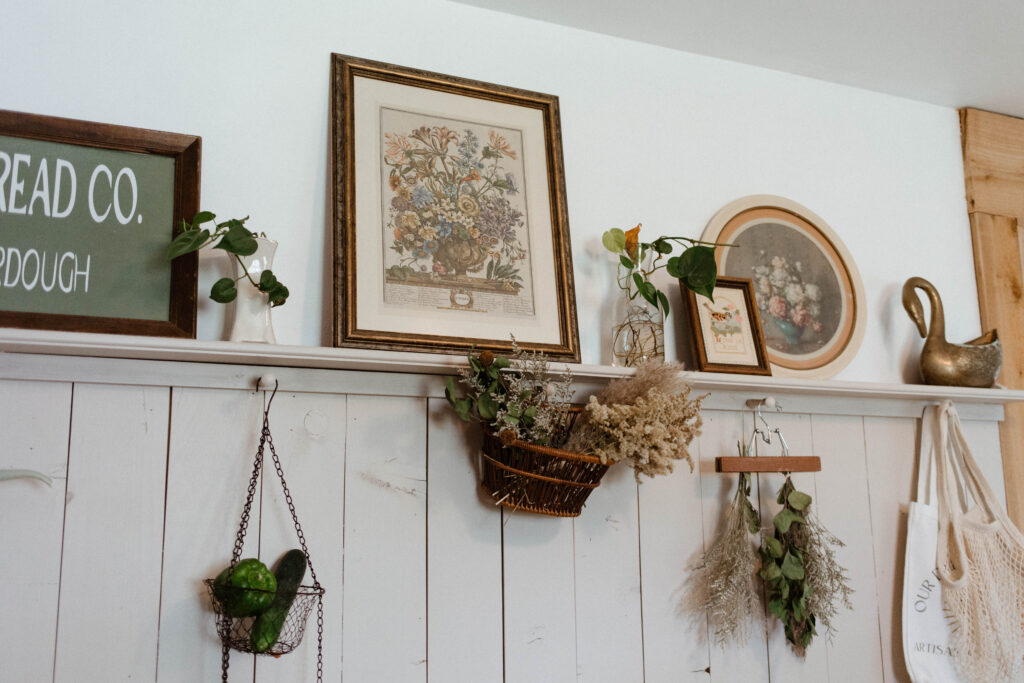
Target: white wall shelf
[(17, 341)]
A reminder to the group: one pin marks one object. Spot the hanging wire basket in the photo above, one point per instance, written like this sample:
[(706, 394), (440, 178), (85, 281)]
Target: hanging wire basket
[(549, 481), (236, 633)]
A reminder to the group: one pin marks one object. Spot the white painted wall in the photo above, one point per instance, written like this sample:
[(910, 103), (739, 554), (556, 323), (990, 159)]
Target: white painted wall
[(650, 135)]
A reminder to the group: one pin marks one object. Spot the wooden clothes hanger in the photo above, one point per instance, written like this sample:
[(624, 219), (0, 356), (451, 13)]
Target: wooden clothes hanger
[(784, 463)]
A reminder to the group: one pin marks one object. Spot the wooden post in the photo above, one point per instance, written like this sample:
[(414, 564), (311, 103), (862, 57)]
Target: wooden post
[(993, 147)]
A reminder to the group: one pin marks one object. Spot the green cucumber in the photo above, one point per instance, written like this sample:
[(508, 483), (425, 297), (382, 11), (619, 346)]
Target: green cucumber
[(266, 629)]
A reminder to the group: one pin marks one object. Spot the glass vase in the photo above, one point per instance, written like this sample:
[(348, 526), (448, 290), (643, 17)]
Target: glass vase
[(252, 321), (638, 333)]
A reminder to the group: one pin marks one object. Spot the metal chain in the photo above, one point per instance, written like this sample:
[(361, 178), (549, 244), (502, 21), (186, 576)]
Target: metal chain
[(265, 440), (302, 540)]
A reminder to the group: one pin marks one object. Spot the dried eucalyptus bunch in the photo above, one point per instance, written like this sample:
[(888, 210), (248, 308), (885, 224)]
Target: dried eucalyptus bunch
[(647, 420), (518, 398), (728, 593), (803, 581)]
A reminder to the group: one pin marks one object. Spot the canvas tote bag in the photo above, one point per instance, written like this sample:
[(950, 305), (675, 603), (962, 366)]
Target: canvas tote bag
[(979, 558), (926, 646)]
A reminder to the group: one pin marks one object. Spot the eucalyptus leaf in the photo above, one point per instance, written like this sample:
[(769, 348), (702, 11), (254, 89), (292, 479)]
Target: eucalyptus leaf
[(799, 500), (792, 568), (774, 547), (785, 519), (778, 608), (770, 571), (487, 406)]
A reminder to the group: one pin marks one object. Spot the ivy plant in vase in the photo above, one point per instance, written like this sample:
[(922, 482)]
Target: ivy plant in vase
[(251, 256), (638, 332)]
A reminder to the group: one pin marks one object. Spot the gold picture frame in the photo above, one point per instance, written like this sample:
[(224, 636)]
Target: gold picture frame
[(807, 287), (450, 222), (726, 330)]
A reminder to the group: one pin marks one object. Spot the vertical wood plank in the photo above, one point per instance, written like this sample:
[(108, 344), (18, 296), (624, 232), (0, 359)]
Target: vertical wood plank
[(890, 445), (309, 436), (384, 629), (999, 271), (113, 534), (608, 582), (784, 663), (843, 503), (464, 610), (540, 605), (207, 476), (720, 433), (671, 550), (34, 433)]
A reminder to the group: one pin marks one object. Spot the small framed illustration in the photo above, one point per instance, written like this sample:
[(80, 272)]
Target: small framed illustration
[(87, 211), (450, 222), (726, 330), (809, 293)]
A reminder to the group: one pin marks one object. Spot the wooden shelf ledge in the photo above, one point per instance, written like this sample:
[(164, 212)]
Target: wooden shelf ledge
[(803, 395)]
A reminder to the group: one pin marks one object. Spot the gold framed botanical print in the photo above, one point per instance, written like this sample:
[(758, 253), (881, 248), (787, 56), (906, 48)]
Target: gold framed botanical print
[(450, 222)]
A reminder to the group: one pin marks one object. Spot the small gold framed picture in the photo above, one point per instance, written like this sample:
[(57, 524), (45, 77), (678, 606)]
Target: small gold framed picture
[(726, 331)]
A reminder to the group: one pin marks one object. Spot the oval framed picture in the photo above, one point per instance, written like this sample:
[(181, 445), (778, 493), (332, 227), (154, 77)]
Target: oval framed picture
[(809, 293)]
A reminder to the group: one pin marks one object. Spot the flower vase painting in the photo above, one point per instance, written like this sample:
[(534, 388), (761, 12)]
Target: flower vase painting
[(454, 216), (808, 291), (451, 222)]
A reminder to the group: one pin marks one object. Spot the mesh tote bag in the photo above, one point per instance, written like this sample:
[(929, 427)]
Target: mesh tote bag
[(980, 558)]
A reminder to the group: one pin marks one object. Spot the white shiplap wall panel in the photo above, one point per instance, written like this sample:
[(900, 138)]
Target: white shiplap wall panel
[(34, 433), (843, 506), (608, 600), (784, 663), (385, 573), (309, 437), (671, 546), (540, 604), (113, 534), (890, 446), (463, 557), (426, 579), (212, 443)]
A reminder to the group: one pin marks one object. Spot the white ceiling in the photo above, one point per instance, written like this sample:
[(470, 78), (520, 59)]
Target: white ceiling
[(949, 52)]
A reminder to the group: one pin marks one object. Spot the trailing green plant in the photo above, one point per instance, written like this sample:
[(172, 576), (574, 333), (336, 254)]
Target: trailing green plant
[(728, 594), (233, 237), (802, 579), (695, 267), (517, 398)]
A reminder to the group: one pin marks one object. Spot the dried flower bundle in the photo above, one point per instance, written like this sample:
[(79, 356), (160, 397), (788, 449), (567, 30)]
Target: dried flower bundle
[(803, 581), (647, 420), (729, 595), (518, 398)]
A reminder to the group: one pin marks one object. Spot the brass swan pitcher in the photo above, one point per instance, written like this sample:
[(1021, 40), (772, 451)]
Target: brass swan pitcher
[(972, 364)]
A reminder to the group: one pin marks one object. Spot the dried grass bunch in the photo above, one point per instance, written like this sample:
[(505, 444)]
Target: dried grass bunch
[(647, 420), (829, 578), (729, 595)]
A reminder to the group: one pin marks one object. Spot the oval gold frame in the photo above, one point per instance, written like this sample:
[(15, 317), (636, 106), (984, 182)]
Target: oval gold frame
[(738, 213)]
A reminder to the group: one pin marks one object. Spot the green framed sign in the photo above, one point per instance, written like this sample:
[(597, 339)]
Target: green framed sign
[(87, 211)]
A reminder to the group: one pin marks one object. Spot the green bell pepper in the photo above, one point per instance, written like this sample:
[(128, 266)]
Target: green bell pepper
[(247, 591)]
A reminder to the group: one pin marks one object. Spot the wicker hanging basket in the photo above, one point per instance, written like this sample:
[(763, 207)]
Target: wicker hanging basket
[(541, 479)]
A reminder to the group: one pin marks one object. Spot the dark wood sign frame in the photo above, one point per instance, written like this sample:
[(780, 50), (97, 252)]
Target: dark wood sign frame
[(186, 151)]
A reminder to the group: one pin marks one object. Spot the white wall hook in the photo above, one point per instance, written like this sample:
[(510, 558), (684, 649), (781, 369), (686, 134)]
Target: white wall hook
[(266, 382)]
